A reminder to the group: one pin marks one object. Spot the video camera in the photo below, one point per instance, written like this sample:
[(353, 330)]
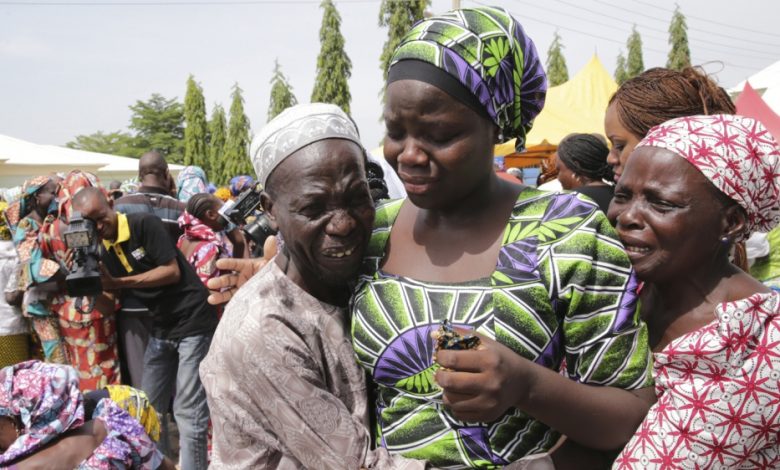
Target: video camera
[(238, 211), (83, 279)]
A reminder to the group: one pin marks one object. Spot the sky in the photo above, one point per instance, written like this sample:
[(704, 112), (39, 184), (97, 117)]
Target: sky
[(70, 67)]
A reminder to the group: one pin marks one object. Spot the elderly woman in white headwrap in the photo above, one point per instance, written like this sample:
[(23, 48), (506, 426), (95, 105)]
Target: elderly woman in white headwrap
[(283, 386)]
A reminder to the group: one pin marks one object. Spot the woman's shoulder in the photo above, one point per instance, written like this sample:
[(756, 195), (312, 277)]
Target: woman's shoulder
[(550, 215), (386, 213)]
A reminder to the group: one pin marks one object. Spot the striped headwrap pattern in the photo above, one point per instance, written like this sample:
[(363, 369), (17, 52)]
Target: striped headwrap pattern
[(489, 53)]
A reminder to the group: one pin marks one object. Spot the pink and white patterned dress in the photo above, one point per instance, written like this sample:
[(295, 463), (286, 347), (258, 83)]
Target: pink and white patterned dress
[(718, 394)]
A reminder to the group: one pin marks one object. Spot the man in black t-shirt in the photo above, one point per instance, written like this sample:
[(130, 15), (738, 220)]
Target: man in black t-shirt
[(139, 255), (134, 322)]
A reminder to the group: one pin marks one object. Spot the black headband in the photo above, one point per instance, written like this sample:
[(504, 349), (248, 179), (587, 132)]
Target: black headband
[(411, 69)]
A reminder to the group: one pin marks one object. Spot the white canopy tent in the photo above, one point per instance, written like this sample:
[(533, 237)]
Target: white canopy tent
[(21, 160), (767, 83)]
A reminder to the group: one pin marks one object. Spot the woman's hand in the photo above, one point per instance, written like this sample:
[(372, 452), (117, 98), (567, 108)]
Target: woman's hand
[(479, 385), (224, 287)]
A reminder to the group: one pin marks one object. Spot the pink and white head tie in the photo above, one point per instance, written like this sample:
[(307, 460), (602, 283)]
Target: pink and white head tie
[(736, 153)]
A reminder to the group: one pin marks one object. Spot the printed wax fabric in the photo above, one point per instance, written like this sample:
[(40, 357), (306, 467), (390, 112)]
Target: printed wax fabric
[(563, 288), (191, 181), (35, 273), (46, 398), (209, 246), (488, 52), (718, 391), (18, 209), (283, 386), (126, 445), (89, 337), (137, 405), (736, 153), (5, 227)]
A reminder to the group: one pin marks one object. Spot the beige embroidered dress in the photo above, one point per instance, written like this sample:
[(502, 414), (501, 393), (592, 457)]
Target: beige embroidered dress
[(283, 386)]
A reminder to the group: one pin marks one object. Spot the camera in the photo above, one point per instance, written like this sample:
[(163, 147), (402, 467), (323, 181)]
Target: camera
[(258, 231), (244, 207), (245, 204), (83, 279)]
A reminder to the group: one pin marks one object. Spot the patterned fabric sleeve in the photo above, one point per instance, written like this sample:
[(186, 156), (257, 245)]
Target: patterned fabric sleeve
[(595, 289), (36, 269), (286, 396), (204, 260), (126, 444), (590, 288), (718, 392)]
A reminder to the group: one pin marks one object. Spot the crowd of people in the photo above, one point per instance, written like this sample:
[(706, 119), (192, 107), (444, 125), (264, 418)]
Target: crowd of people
[(613, 321)]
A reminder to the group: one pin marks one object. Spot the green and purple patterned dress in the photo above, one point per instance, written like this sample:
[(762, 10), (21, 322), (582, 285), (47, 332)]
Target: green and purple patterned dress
[(563, 289)]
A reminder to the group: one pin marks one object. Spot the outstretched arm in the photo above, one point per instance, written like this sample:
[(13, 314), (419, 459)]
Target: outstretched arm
[(241, 270)]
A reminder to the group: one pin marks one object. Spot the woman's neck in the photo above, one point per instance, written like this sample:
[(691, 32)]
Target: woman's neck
[(472, 208), (681, 305)]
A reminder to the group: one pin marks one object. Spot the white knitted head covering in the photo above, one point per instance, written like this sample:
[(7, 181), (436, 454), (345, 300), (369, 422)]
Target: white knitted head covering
[(295, 128)]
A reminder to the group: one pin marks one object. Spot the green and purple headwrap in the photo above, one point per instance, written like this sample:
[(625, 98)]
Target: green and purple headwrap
[(488, 53)]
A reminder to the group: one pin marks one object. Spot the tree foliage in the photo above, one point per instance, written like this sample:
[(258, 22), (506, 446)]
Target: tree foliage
[(399, 18), (217, 131), (236, 152), (282, 96), (159, 125), (557, 73), (333, 65), (621, 75), (195, 132), (680, 53), (112, 143), (634, 63)]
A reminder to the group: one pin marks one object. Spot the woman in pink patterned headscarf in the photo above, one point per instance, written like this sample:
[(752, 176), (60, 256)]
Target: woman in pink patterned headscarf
[(43, 424), (692, 188)]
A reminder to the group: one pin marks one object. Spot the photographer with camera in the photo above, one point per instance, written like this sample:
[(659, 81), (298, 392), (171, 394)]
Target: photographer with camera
[(139, 256), (86, 314)]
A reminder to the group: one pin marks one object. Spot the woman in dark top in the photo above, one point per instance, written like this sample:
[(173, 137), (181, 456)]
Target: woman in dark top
[(582, 166)]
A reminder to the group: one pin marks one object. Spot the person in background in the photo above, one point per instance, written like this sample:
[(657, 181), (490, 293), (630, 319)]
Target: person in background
[(115, 190), (540, 276), (139, 255), (191, 181), (239, 183), (203, 241), (223, 193), (653, 97), (89, 336), (281, 378), (134, 322), (691, 188), (548, 176), (43, 424), (37, 275), (581, 160), (14, 329)]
